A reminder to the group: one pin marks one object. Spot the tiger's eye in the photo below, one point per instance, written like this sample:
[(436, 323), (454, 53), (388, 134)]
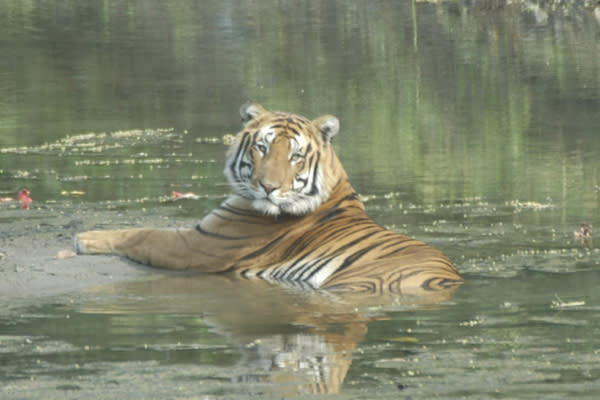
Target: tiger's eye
[(261, 148)]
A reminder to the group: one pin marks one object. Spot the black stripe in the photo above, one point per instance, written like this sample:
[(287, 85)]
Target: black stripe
[(297, 264), (244, 272), (356, 255), (314, 188), (316, 269), (241, 149), (448, 283), (287, 128), (263, 249), (427, 284), (316, 235), (395, 235), (303, 181), (292, 120), (339, 251), (401, 249), (416, 270), (237, 220), (351, 196), (219, 236), (192, 248), (331, 214), (235, 210), (297, 269), (442, 283), (335, 210)]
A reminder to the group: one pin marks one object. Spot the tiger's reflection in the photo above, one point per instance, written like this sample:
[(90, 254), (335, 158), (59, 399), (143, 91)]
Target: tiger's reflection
[(291, 340), (301, 363)]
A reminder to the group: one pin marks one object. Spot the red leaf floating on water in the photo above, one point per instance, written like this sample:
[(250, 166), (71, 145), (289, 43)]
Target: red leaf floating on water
[(23, 198), (177, 196)]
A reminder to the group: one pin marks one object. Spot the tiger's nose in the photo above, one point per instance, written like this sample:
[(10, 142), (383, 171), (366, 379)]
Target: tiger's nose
[(268, 187)]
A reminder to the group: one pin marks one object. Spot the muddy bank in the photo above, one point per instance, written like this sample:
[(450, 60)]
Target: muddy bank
[(30, 241)]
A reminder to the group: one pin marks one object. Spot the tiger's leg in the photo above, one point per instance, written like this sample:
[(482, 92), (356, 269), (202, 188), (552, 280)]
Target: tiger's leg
[(172, 249)]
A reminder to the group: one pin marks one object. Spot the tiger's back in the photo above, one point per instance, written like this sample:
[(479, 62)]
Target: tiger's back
[(338, 248)]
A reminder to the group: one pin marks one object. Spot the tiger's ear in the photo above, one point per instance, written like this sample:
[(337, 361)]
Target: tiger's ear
[(249, 111), (328, 125)]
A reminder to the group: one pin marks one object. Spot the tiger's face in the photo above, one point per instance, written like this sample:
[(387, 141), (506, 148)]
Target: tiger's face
[(281, 161)]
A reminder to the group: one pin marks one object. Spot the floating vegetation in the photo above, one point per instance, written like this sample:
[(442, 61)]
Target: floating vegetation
[(72, 193), (531, 205), (96, 142), (584, 235), (557, 260), (140, 161), (461, 203), (114, 204), (22, 199), (473, 322), (73, 166), (77, 178), (226, 139), (559, 303), (403, 339)]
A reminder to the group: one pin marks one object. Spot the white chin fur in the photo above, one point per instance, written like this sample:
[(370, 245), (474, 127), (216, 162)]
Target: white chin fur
[(266, 207), (298, 207)]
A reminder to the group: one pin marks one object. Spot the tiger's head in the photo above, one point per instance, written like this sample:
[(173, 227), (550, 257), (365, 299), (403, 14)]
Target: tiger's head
[(283, 163)]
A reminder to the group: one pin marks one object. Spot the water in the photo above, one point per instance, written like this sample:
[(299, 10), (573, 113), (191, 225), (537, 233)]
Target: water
[(472, 127)]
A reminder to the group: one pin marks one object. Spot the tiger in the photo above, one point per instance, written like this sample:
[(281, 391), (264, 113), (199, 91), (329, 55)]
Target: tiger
[(292, 218)]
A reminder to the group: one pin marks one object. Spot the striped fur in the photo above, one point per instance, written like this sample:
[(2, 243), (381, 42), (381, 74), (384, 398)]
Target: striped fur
[(293, 218)]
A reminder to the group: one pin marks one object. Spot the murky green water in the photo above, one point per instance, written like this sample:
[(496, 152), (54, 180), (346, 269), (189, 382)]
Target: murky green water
[(472, 127)]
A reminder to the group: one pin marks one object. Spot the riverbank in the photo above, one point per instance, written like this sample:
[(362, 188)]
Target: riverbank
[(31, 262)]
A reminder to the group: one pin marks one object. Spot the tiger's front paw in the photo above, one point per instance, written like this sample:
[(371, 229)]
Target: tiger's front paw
[(92, 242)]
